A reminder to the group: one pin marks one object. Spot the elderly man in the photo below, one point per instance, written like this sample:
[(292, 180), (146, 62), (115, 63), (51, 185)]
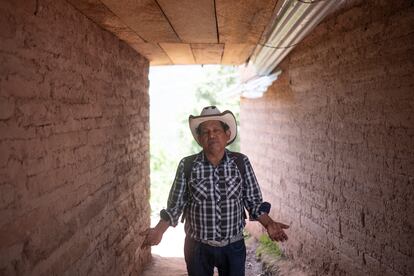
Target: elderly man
[(213, 189)]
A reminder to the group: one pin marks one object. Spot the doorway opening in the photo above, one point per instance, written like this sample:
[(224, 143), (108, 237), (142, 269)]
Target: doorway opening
[(175, 93)]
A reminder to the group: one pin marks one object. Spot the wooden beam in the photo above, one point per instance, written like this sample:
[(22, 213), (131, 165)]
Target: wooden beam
[(236, 54), (145, 18), (207, 53), (243, 21), (99, 13), (153, 52), (179, 53), (193, 20)]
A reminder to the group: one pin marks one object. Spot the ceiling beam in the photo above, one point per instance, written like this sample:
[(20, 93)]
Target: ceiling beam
[(144, 17), (193, 20), (207, 53), (236, 54), (243, 21), (179, 53)]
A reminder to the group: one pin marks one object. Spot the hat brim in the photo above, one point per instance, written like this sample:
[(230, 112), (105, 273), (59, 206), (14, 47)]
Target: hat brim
[(226, 117)]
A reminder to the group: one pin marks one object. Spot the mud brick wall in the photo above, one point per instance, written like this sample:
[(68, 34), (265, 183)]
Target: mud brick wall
[(74, 161), (332, 142)]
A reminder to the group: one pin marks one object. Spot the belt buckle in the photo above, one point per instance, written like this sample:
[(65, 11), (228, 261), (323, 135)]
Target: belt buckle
[(223, 242), (216, 243)]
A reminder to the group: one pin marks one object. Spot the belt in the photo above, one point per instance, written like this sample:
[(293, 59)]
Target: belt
[(225, 242)]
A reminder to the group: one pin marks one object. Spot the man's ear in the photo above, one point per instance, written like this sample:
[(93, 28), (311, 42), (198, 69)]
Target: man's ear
[(228, 134)]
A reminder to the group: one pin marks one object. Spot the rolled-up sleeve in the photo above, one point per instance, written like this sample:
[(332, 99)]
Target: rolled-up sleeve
[(252, 196), (177, 197)]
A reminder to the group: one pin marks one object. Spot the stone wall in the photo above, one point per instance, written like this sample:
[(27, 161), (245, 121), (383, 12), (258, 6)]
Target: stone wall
[(74, 145), (332, 142)]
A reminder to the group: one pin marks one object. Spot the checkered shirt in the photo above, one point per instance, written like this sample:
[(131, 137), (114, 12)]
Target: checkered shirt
[(217, 198)]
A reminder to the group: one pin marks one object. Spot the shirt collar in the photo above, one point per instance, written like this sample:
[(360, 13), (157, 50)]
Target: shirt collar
[(202, 159)]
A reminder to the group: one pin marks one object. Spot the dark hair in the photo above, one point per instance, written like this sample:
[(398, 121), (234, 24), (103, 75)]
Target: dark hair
[(223, 124)]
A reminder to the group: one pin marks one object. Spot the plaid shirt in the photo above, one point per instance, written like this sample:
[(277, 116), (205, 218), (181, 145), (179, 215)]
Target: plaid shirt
[(218, 196)]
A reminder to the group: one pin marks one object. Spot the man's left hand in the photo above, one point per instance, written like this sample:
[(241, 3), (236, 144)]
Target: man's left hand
[(275, 231)]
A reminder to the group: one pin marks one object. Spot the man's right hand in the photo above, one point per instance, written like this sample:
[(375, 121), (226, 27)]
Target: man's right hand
[(153, 236)]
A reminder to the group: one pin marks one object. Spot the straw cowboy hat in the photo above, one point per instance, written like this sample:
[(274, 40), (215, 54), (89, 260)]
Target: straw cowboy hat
[(212, 113)]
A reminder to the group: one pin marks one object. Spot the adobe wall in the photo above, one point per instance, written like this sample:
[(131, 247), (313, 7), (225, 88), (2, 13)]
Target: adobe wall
[(74, 145), (332, 142)]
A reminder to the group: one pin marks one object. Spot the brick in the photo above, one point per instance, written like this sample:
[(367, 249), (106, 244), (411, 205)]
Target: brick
[(8, 23), (7, 257), (68, 124), (65, 261), (402, 263), (48, 181), (39, 165), (317, 213), (7, 195), (4, 154), (92, 208), (80, 111), (372, 264), (313, 227), (46, 239), (98, 136), (347, 264), (34, 113), (7, 107), (17, 86), (389, 271), (19, 229), (10, 130), (66, 140)]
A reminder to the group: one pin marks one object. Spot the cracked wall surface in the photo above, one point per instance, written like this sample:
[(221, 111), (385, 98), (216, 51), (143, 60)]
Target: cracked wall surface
[(74, 145), (332, 142)]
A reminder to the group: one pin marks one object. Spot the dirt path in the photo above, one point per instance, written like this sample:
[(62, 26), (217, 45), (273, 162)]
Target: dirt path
[(168, 256), (171, 266)]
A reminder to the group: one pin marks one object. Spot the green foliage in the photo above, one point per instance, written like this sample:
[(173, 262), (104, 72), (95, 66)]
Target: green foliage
[(246, 234), (268, 247), (162, 175)]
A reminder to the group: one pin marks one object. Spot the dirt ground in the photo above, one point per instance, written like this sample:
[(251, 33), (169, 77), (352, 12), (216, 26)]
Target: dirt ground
[(253, 266)]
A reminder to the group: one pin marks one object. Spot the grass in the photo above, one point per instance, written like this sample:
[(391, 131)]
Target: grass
[(246, 234), (268, 247)]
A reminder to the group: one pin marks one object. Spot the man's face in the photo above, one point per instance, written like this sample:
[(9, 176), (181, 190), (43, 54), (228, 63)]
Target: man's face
[(212, 136)]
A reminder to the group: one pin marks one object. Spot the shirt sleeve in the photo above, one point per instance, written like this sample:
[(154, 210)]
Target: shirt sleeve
[(252, 196), (177, 197)]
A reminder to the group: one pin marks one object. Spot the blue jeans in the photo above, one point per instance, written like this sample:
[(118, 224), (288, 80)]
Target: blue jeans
[(202, 258)]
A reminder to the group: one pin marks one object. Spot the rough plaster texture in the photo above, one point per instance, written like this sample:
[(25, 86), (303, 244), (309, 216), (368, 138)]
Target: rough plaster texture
[(332, 142), (74, 160)]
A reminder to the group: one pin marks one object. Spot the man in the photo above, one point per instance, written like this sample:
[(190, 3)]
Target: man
[(213, 195)]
